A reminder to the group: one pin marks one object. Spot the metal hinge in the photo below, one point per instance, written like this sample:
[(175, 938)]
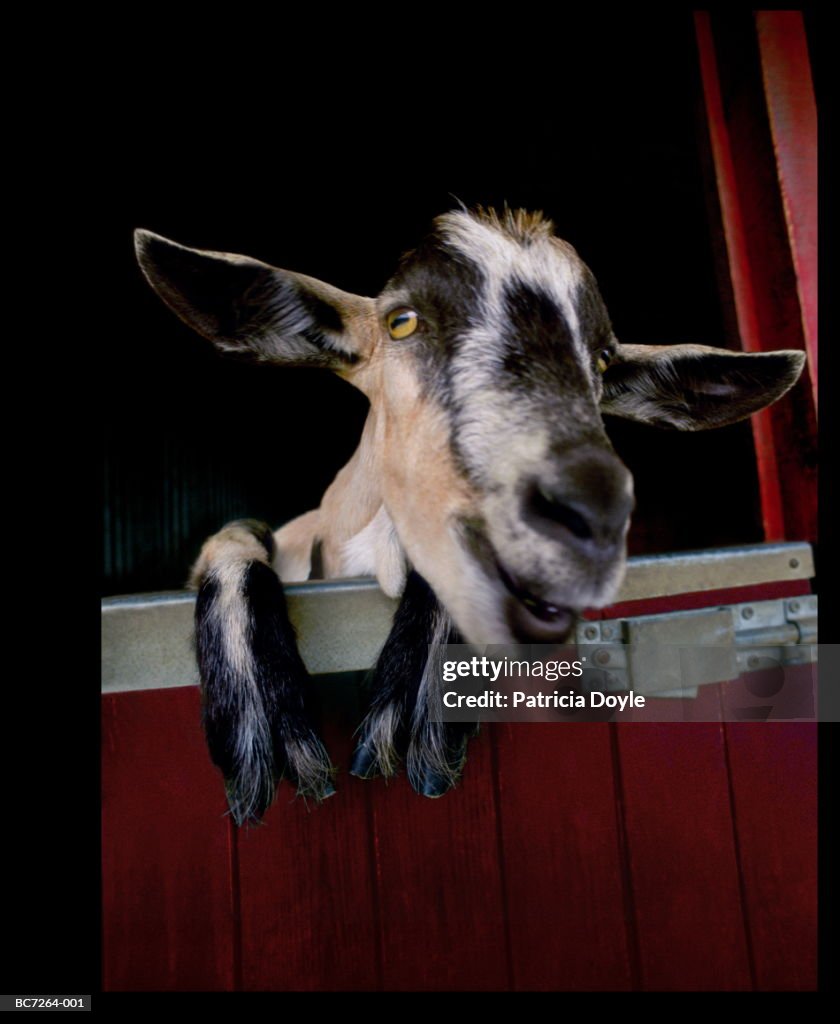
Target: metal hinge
[(671, 655)]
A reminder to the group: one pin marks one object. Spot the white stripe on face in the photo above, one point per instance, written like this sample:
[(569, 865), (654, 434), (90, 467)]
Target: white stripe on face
[(498, 434), (546, 263)]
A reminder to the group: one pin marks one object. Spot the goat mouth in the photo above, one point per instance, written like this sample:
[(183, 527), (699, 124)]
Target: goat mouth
[(530, 617)]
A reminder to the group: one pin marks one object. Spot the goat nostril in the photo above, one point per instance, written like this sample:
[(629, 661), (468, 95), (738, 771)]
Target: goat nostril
[(547, 506)]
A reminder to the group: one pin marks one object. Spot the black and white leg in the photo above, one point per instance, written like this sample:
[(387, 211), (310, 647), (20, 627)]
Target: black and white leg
[(405, 683), (255, 691)]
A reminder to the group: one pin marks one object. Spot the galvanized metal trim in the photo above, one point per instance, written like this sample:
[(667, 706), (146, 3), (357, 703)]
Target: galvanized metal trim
[(717, 569), (147, 642), (147, 639), (342, 624)]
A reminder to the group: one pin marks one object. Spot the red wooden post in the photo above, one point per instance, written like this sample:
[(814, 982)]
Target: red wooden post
[(742, 282), (763, 270), (786, 71)]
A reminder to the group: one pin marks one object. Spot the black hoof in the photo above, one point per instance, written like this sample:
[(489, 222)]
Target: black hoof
[(434, 786), (364, 764), (317, 792)]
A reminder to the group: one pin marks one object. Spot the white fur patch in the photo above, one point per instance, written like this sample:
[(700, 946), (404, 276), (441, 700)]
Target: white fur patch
[(376, 551), (252, 734), (546, 263), (500, 440), (231, 612)]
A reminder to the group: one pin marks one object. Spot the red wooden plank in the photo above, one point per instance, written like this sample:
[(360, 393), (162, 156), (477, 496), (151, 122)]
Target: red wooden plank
[(306, 888), (774, 784), (440, 882), (682, 857), (562, 857), (786, 71), (762, 273), (166, 866)]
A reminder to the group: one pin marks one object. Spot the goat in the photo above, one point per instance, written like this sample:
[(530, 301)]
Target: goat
[(484, 492)]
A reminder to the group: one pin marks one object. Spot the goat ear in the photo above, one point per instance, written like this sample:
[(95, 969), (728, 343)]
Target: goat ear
[(695, 387), (243, 305)]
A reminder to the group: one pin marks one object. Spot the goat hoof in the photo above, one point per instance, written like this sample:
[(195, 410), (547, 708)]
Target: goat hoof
[(327, 789), (317, 791), (364, 764), (434, 786)]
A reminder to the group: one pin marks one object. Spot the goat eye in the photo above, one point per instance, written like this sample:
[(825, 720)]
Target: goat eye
[(402, 322), (603, 361)]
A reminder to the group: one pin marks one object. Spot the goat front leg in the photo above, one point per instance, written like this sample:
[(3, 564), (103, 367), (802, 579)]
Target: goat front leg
[(255, 692), (406, 679)]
